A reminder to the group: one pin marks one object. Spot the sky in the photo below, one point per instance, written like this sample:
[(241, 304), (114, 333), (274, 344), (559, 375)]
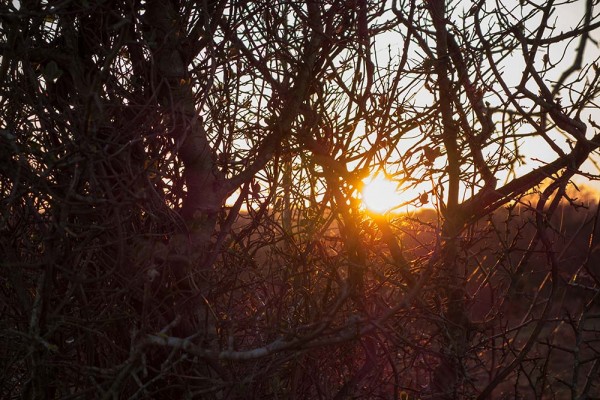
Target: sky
[(565, 18)]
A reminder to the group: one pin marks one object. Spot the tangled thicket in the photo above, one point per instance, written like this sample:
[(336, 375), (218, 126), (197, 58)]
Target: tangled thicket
[(180, 207)]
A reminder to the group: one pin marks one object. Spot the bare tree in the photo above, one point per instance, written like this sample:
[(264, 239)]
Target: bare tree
[(181, 217)]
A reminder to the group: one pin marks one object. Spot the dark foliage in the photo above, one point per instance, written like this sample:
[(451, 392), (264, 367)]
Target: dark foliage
[(180, 211)]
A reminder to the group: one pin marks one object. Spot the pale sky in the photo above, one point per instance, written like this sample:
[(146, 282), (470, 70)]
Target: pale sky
[(565, 18)]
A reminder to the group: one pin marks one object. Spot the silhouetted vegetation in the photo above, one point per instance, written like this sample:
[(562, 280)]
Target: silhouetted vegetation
[(180, 199)]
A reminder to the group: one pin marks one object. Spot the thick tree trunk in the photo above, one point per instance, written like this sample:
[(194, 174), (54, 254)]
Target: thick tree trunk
[(447, 376), (205, 184), (206, 191)]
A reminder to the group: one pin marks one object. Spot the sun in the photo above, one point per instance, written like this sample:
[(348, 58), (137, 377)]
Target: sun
[(380, 195)]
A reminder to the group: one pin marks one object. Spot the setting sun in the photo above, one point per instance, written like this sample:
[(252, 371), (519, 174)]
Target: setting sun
[(381, 195)]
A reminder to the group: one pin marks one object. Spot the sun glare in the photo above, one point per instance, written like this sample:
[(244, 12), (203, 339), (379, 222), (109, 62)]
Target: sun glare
[(380, 195)]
